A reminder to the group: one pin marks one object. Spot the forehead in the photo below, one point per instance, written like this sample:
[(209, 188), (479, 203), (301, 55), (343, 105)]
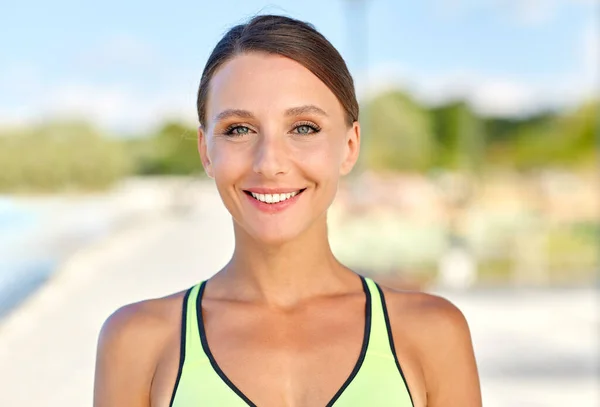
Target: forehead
[(270, 84)]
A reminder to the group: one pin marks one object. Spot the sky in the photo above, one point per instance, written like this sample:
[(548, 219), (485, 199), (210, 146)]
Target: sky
[(128, 66)]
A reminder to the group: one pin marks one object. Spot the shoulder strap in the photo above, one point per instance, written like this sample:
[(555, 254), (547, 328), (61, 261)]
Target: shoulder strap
[(381, 337), (189, 345), (193, 345), (382, 340)]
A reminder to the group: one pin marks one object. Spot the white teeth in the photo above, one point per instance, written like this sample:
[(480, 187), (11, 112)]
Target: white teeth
[(274, 198)]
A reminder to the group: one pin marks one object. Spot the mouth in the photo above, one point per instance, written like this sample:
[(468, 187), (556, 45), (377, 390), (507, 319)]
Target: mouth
[(274, 198)]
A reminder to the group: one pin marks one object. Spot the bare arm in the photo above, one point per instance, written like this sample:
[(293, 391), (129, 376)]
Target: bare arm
[(449, 365), (126, 358)]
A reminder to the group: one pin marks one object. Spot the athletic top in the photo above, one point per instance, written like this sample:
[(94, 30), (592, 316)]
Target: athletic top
[(376, 380)]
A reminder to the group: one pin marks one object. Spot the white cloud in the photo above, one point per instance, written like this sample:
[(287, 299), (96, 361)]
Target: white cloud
[(487, 94), (119, 50), (525, 12), (115, 107), (534, 12), (144, 91), (585, 2), (19, 78), (502, 97), (495, 96), (590, 51)]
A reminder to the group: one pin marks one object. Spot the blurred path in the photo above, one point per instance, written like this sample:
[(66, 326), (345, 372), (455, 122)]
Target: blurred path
[(533, 348), (47, 347)]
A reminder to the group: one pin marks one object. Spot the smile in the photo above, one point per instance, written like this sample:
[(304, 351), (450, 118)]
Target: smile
[(273, 198)]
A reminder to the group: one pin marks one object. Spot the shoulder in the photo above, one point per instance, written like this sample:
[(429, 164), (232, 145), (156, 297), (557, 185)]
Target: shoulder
[(438, 334), (130, 344), (143, 321), (429, 317)]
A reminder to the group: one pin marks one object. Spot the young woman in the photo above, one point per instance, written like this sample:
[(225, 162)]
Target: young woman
[(283, 323)]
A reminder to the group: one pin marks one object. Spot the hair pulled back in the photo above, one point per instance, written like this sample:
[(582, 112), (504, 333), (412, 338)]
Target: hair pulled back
[(291, 38)]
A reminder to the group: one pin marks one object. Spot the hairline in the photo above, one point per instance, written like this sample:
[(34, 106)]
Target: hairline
[(348, 119)]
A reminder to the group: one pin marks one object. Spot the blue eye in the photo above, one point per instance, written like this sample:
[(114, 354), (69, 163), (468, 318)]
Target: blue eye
[(306, 129), (238, 131)]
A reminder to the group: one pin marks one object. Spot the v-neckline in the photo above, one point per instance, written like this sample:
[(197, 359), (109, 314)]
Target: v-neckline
[(228, 382)]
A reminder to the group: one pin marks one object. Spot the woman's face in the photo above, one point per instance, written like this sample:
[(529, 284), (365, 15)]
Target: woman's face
[(276, 142)]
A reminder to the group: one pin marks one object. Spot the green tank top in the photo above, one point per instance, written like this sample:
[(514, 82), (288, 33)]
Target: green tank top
[(376, 380)]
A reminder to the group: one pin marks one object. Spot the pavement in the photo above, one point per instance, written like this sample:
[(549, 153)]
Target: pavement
[(534, 347)]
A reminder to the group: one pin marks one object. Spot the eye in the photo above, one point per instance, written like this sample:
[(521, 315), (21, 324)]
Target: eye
[(237, 130), (306, 129)]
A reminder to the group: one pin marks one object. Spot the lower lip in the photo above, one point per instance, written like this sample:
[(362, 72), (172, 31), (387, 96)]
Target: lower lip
[(273, 207)]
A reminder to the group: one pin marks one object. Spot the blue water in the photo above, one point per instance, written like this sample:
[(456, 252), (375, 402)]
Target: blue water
[(38, 235), (21, 270)]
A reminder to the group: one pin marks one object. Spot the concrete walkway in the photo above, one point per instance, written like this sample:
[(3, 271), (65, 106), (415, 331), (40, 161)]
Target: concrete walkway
[(533, 348), (47, 347), (536, 348)]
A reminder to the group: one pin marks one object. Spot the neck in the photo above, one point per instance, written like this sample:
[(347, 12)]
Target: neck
[(284, 275)]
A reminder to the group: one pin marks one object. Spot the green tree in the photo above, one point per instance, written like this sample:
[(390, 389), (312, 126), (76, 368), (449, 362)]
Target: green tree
[(566, 140), (460, 136), (171, 150), (399, 134), (60, 155)]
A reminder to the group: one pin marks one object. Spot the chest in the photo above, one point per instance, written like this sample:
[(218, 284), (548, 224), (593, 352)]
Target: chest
[(299, 358)]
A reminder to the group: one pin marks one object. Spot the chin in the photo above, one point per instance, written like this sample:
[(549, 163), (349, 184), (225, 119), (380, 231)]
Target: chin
[(274, 237)]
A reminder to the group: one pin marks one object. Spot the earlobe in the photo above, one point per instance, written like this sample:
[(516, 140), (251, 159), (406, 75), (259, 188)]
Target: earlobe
[(352, 149), (203, 152)]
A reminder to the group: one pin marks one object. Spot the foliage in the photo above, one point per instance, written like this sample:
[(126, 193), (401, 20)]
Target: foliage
[(566, 140), (61, 155), (171, 150), (398, 134), (460, 136), (402, 135)]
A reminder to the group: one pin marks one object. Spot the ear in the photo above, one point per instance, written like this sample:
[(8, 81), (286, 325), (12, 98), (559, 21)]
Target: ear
[(203, 152), (352, 148)]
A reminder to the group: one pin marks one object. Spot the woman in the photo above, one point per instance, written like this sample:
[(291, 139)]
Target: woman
[(283, 323)]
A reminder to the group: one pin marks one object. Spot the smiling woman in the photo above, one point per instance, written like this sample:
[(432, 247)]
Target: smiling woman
[(283, 323)]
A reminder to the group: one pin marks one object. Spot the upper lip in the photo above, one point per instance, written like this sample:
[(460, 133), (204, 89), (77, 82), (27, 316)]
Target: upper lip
[(272, 191)]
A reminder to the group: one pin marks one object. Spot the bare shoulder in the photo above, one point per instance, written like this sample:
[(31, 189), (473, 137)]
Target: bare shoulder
[(139, 319), (438, 334), (130, 343), (430, 314)]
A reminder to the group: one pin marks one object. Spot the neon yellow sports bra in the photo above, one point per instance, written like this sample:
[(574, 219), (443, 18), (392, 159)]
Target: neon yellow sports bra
[(376, 380)]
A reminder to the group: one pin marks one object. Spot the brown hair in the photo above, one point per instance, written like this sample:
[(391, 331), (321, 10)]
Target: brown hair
[(291, 38)]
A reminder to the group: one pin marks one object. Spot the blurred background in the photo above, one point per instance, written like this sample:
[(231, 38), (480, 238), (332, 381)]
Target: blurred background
[(479, 177)]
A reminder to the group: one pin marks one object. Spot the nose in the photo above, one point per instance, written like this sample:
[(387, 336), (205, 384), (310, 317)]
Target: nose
[(271, 155)]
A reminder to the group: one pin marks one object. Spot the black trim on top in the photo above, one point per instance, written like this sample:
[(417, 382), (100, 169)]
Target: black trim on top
[(181, 345), (391, 338), (209, 354), (223, 376), (365, 344)]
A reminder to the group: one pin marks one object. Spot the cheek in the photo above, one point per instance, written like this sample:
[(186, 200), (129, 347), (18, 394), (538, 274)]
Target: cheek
[(227, 161), (321, 158)]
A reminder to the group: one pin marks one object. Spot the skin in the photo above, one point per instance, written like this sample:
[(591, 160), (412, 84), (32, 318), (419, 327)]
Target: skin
[(283, 304)]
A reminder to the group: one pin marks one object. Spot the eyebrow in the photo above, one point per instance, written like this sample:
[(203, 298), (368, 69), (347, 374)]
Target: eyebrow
[(293, 111), (225, 114), (300, 110)]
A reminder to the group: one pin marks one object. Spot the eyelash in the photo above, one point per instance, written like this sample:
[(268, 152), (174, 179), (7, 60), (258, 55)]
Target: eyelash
[(311, 125), (229, 130)]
